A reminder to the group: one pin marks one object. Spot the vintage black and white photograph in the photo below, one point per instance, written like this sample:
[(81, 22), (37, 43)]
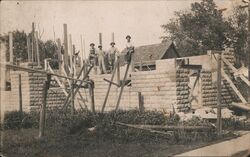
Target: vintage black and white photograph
[(125, 78)]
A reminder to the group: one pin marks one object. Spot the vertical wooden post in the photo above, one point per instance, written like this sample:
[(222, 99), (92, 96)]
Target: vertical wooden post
[(28, 48), (81, 60), (100, 38), (43, 107), (59, 50), (113, 37), (2, 86), (70, 52), (65, 34), (11, 47), (141, 105), (248, 56), (37, 48), (33, 43), (118, 71), (20, 93), (72, 96), (219, 123), (91, 95)]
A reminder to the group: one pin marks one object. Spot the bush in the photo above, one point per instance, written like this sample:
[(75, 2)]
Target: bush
[(17, 120)]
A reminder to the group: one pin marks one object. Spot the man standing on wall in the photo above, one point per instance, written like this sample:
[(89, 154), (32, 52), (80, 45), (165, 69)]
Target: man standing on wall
[(129, 49), (101, 57), (92, 54), (113, 54)]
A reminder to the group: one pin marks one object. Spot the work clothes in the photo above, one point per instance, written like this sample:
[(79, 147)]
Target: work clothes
[(101, 57), (113, 55), (92, 56), (129, 51)]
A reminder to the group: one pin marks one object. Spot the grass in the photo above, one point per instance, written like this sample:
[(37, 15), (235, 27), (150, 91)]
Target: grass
[(68, 136)]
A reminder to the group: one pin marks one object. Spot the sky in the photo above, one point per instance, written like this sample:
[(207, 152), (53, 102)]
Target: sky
[(140, 19)]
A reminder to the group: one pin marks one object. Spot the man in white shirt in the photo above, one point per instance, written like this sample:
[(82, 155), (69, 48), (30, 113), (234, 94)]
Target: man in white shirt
[(129, 48), (92, 54), (113, 54), (101, 57)]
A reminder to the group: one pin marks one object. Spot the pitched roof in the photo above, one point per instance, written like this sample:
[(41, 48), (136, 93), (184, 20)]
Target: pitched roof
[(150, 52)]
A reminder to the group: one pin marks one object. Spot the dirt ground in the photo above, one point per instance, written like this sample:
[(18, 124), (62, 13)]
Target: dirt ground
[(24, 142)]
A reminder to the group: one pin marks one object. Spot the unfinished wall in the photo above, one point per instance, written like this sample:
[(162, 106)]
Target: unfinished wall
[(32, 84)]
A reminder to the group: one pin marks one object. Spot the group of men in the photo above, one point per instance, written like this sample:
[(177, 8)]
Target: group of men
[(107, 59)]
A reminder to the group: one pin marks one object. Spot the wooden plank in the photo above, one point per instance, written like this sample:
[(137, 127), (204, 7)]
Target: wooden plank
[(72, 96), (11, 47), (59, 50), (109, 87), (37, 48), (100, 38), (113, 83), (28, 49), (235, 70), (43, 107), (122, 87), (219, 123), (169, 128), (40, 71), (3, 52), (65, 42), (141, 105), (241, 106), (62, 86), (233, 87), (20, 93), (91, 96)]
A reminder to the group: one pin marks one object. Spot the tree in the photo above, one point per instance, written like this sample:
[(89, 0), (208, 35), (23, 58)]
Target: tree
[(198, 30), (19, 45), (47, 49), (237, 33)]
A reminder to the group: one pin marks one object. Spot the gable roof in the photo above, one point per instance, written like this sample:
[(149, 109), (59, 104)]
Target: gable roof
[(152, 52)]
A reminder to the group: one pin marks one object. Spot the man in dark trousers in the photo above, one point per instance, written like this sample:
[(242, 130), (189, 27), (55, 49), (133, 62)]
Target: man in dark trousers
[(113, 54), (92, 54), (129, 49)]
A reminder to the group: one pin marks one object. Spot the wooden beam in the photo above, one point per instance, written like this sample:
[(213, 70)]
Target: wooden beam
[(109, 87), (113, 37), (91, 96), (20, 93), (219, 123), (37, 48), (40, 71), (141, 105), (65, 35), (59, 50), (169, 128), (235, 70), (233, 87), (11, 47), (113, 83), (100, 38), (28, 49), (43, 107)]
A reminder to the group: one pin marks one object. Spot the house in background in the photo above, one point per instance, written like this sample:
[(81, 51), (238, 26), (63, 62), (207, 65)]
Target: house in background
[(145, 56)]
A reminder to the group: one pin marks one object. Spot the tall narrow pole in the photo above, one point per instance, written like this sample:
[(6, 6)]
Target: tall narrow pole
[(59, 50), (28, 48), (43, 107), (37, 48), (248, 35), (2, 86), (81, 61), (65, 35), (11, 47), (113, 37), (70, 48), (100, 38), (33, 43), (219, 123), (20, 93)]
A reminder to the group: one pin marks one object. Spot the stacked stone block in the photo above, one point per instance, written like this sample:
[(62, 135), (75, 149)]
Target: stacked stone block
[(182, 89)]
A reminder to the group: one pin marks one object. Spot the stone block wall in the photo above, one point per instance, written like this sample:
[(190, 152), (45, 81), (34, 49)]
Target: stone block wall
[(182, 89)]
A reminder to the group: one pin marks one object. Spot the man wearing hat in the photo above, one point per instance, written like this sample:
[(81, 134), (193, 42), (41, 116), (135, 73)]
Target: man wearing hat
[(129, 49), (113, 54), (92, 54), (101, 57)]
